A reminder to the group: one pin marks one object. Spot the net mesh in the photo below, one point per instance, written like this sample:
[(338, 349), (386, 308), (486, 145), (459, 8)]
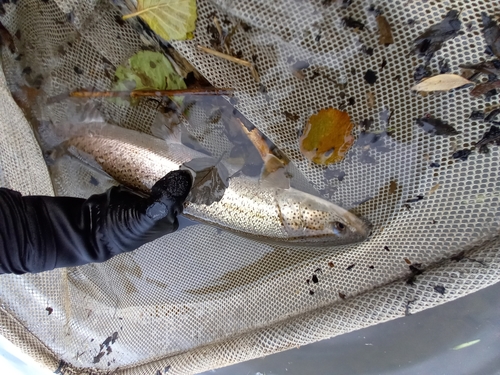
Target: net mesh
[(202, 298)]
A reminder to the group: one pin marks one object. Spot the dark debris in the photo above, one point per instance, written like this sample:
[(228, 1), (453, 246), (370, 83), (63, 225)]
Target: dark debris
[(352, 23), (431, 40), (435, 126), (491, 33), (370, 77), (440, 289), (462, 154)]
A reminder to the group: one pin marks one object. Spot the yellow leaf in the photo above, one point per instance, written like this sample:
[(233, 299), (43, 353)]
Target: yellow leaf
[(441, 82), (327, 136), (170, 19)]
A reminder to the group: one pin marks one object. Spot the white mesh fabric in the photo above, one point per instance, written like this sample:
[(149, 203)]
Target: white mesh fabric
[(202, 298)]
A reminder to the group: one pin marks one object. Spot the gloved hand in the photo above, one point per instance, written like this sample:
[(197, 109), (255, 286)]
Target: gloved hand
[(39, 233)]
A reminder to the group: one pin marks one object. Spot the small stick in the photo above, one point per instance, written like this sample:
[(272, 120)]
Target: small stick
[(154, 93), (226, 57)]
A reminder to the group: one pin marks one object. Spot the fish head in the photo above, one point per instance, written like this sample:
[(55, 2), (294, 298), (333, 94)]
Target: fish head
[(310, 220)]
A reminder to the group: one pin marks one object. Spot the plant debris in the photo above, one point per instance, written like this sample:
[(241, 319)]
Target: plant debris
[(210, 181), (431, 40), (476, 115), (393, 187), (462, 154), (491, 33), (492, 136), (342, 295), (253, 69), (147, 70), (98, 357), (416, 199), (441, 82), (6, 39), (407, 261), (415, 271), (492, 115), (352, 23), (440, 289), (384, 29), (311, 292), (487, 89), (290, 116), (170, 20), (314, 279), (486, 67), (370, 77), (444, 66), (435, 126), (327, 136), (49, 310), (421, 72)]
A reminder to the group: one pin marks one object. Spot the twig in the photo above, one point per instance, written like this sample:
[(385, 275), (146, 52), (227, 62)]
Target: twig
[(248, 64), (153, 93), (224, 56)]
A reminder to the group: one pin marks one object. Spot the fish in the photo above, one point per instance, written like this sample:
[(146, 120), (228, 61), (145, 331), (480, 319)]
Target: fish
[(247, 208)]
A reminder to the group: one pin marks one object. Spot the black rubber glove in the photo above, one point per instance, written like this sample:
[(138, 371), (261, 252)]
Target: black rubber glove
[(40, 233)]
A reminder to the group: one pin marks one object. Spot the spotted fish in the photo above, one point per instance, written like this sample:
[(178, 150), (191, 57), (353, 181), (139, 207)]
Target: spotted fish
[(247, 208)]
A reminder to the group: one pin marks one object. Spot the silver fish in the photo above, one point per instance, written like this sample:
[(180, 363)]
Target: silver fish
[(247, 208)]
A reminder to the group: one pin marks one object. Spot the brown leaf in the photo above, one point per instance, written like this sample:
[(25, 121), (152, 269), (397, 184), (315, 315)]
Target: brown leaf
[(483, 88), (441, 82), (384, 28), (327, 136)]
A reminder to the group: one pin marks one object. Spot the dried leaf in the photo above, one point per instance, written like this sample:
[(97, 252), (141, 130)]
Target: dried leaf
[(384, 28), (441, 82), (210, 181), (327, 136), (484, 88), (491, 33), (170, 19), (431, 39), (486, 67)]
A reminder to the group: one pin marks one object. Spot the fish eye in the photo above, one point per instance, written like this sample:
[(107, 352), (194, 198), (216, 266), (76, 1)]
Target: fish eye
[(337, 225)]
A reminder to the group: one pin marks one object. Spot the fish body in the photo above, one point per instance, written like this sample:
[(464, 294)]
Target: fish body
[(247, 208)]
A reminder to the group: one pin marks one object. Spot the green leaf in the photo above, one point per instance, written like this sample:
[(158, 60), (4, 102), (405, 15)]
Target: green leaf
[(147, 70), (170, 19)]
